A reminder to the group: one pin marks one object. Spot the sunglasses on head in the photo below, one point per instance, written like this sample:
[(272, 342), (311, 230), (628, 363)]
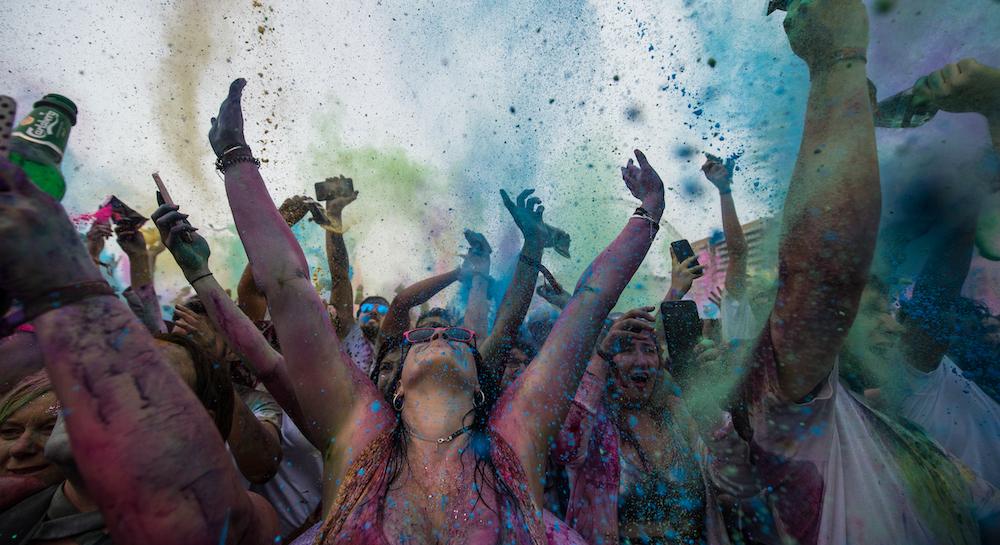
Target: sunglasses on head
[(368, 307), (457, 334)]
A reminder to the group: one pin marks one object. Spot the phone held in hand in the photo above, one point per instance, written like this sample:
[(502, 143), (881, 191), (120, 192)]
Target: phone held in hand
[(124, 216), (683, 250), (7, 110), (331, 188), (682, 329)]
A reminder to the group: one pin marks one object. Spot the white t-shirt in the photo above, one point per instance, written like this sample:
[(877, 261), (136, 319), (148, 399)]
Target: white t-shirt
[(957, 414), (297, 488), (737, 319), (836, 469)]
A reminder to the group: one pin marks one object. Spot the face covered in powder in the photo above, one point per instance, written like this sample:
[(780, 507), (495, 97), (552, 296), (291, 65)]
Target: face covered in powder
[(441, 359), (371, 312), (637, 369)]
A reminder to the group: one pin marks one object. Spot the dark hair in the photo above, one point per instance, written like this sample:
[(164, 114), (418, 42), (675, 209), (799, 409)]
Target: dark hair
[(385, 346), (213, 385), (437, 312), (479, 438), (371, 299)]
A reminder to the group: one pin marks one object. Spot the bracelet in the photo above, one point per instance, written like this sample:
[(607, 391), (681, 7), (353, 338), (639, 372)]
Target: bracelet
[(223, 163), (54, 299), (197, 278), (654, 225), (849, 54), (234, 148)]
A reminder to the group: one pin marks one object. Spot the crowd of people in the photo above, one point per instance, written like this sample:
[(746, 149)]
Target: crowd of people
[(824, 408)]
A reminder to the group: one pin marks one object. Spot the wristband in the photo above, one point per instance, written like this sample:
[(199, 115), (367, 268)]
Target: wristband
[(223, 163), (199, 277), (52, 300), (654, 225), (849, 54)]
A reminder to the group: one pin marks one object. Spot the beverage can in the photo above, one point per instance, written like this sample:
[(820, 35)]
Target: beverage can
[(8, 108)]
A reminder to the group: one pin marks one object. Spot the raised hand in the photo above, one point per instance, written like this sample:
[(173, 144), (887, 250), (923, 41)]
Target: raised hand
[(683, 274), (478, 259), (192, 257), (645, 184), (294, 209), (227, 128), (557, 298), (719, 172), (131, 241), (39, 248), (965, 86), (99, 231), (821, 31), (527, 213), (636, 323)]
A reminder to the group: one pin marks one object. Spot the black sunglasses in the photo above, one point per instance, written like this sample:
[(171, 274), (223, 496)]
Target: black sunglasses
[(457, 334)]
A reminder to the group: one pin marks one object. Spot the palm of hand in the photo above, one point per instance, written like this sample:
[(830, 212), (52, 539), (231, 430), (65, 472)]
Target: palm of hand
[(527, 213), (227, 129)]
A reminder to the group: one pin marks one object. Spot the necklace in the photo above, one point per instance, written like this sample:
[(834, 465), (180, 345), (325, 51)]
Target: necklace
[(440, 440)]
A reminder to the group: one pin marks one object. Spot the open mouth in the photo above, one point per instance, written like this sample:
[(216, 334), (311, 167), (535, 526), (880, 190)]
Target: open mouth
[(640, 377)]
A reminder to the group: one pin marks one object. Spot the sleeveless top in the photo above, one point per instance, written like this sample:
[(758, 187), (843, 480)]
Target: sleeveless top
[(356, 516)]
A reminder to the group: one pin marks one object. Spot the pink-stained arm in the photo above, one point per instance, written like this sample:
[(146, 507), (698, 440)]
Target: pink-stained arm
[(736, 246), (574, 437), (530, 413), (147, 450), (831, 218), (250, 345), (331, 391)]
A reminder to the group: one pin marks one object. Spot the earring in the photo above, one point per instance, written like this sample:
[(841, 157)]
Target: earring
[(397, 402), (482, 398)]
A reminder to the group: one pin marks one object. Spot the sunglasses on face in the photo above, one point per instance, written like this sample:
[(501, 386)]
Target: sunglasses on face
[(457, 334), (368, 307)]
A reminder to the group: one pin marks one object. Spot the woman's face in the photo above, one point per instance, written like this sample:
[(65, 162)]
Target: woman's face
[(448, 363), (22, 441), (637, 370), (387, 369)]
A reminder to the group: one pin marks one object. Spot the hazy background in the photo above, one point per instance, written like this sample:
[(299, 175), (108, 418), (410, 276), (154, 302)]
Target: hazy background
[(432, 107)]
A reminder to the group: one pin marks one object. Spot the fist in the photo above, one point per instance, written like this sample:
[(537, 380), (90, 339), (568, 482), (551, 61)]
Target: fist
[(818, 29)]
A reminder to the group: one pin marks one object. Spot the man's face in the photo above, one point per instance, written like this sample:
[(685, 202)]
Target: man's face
[(371, 314)]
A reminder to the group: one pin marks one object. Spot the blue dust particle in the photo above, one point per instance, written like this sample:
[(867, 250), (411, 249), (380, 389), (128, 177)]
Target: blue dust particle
[(376, 406)]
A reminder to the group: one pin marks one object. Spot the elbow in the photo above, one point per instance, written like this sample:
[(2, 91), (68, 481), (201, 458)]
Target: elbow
[(267, 466)]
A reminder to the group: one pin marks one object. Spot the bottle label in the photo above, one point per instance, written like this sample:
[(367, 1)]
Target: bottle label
[(45, 126)]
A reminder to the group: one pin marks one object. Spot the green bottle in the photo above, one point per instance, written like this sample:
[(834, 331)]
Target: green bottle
[(38, 143)]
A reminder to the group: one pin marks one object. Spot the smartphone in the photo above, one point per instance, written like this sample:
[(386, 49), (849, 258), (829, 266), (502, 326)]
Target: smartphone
[(683, 250), (682, 329), (8, 108), (331, 188), (779, 5)]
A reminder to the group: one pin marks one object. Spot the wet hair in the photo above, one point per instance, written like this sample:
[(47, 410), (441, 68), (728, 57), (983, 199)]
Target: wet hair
[(371, 299), (485, 474), (212, 386), (437, 312)]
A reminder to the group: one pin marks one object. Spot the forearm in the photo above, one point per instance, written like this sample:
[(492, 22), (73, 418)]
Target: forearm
[(513, 308), (279, 268), (254, 444), (477, 307), (341, 294), (736, 245), (397, 320), (829, 229), (141, 278), (250, 345), (249, 297), (140, 437)]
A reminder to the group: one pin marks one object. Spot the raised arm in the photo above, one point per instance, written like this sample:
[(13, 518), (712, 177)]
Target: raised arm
[(476, 270), (397, 320), (249, 297), (533, 409), (720, 173), (331, 391), (149, 453), (527, 213), (831, 212), (339, 263), (140, 262)]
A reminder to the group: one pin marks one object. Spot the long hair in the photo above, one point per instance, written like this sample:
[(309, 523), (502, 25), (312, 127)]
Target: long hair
[(213, 385), (485, 474)]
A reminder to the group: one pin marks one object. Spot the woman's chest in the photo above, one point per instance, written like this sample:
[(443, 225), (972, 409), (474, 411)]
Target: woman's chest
[(420, 512)]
